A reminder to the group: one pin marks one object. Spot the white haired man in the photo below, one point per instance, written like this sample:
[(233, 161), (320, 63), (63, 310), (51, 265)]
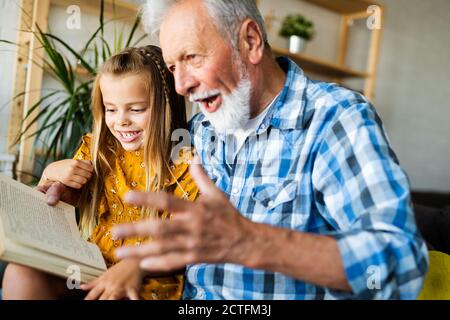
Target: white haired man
[(302, 196)]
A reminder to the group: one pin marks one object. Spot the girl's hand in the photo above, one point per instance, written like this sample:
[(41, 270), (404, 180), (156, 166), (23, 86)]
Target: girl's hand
[(123, 280), (72, 173)]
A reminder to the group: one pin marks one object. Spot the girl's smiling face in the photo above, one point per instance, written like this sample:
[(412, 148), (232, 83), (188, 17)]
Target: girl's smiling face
[(127, 111)]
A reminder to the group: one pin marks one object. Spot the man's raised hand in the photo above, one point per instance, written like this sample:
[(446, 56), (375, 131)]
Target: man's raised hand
[(209, 230)]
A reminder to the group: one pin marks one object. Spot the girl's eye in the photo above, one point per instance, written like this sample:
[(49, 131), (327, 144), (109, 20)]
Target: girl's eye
[(110, 110), (137, 110)]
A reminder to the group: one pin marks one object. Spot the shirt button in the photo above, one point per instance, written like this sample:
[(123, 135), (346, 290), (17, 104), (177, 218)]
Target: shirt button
[(263, 126), (270, 203), (235, 190)]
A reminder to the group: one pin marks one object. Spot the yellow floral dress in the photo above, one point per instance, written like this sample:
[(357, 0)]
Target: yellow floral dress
[(128, 174)]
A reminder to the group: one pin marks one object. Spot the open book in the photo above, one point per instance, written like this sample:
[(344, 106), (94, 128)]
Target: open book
[(47, 238)]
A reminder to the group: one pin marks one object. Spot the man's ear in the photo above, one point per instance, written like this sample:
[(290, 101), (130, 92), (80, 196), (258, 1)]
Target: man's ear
[(251, 41)]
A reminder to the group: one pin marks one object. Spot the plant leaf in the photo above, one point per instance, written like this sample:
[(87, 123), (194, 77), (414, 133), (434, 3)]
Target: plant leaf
[(133, 30), (80, 58)]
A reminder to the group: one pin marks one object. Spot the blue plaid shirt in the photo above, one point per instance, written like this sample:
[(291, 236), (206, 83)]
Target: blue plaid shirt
[(320, 162)]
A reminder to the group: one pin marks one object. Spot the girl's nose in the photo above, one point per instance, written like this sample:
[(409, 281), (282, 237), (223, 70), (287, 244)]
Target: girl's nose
[(122, 119)]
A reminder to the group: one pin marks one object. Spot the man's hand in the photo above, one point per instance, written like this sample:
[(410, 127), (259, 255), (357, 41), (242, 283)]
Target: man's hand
[(208, 230), (56, 191), (211, 230)]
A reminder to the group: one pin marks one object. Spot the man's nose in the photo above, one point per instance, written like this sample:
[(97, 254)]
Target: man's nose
[(185, 82)]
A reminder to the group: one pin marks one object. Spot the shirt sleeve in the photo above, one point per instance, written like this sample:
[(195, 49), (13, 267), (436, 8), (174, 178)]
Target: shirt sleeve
[(363, 194), (186, 187), (84, 151)]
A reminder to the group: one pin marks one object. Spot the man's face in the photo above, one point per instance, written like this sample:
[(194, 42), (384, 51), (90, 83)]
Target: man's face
[(204, 66)]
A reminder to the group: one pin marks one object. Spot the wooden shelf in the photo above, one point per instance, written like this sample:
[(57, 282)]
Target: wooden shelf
[(337, 71), (316, 65), (122, 8), (344, 6)]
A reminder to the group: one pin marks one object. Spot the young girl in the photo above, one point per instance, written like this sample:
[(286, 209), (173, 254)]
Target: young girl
[(135, 110)]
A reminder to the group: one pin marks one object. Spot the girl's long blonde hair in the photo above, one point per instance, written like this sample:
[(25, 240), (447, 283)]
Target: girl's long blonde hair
[(167, 113)]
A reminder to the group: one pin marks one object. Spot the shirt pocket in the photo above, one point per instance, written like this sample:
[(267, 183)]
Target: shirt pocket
[(275, 203), (271, 195)]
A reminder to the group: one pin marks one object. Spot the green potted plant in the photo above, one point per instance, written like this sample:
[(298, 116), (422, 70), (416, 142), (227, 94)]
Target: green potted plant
[(298, 30)]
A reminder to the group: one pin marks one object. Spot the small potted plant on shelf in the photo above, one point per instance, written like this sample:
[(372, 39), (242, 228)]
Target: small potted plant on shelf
[(298, 30)]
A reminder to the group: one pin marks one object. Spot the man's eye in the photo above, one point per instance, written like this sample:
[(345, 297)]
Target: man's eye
[(171, 68), (193, 57)]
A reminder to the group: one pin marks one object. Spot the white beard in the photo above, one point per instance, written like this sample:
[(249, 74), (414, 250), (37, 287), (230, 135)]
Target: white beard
[(234, 111)]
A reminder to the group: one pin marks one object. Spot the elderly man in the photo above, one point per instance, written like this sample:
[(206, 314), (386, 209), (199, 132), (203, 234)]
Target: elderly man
[(302, 196)]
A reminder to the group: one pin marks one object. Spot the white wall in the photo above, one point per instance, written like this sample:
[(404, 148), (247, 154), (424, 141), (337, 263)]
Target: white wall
[(9, 12), (413, 87)]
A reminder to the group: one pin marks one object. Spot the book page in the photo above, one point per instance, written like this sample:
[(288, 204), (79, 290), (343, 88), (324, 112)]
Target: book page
[(27, 219), (48, 262)]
